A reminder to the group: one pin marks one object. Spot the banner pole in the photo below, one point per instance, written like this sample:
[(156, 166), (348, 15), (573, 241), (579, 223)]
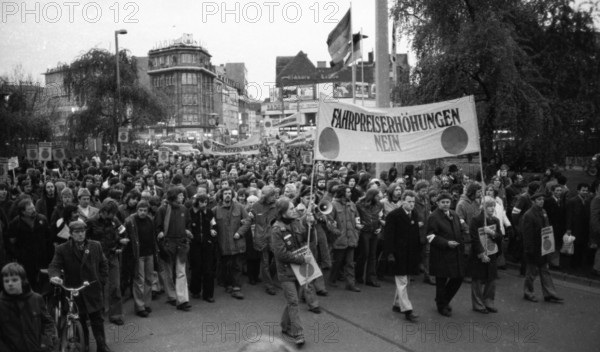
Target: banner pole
[(310, 209)]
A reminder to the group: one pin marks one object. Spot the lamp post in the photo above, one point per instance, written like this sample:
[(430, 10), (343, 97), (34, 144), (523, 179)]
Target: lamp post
[(117, 119)]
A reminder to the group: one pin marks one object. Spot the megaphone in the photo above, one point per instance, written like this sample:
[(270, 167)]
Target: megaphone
[(325, 207)]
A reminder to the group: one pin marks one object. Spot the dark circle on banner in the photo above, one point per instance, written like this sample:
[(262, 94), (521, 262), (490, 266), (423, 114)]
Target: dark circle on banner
[(206, 144), (455, 140), (547, 244), (32, 154), (59, 154), (491, 246), (123, 136), (329, 144), (307, 270), (268, 124), (45, 154)]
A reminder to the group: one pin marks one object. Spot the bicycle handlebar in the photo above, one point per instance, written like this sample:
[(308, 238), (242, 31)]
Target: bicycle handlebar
[(85, 284)]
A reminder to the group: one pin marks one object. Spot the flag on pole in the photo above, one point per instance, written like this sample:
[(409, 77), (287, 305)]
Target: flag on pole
[(338, 41), (357, 45), (349, 132)]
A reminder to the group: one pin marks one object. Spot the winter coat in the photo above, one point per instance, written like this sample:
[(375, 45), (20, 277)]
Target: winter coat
[(25, 323), (285, 239), (402, 240), (91, 266), (445, 261), (106, 232), (33, 247), (478, 269), (231, 219), (595, 220), (344, 214), (533, 221), (423, 210), (467, 209), (131, 228), (264, 215)]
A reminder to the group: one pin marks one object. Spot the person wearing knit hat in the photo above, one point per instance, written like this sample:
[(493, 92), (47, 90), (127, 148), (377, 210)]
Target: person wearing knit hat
[(84, 209)]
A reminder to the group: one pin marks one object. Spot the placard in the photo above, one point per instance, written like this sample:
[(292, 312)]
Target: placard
[(13, 163), (547, 240), (307, 158), (306, 272), (32, 152), (487, 243), (123, 135), (45, 151), (163, 155)]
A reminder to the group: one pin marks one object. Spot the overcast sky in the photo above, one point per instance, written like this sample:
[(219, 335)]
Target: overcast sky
[(39, 35)]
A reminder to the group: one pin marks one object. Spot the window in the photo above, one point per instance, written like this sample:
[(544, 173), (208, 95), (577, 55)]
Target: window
[(189, 78), (189, 99)]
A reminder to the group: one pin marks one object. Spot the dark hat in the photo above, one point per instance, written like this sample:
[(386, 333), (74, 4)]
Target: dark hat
[(77, 224), (452, 168), (443, 195), (538, 195)]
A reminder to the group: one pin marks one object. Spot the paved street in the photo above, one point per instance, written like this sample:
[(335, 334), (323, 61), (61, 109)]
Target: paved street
[(365, 322)]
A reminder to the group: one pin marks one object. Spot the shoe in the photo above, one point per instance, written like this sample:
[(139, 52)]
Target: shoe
[(412, 317), (332, 284), (530, 298), (445, 312), (396, 309), (373, 284), (117, 321), (148, 309), (492, 309), (481, 310), (184, 307), (142, 313), (298, 340), (196, 296), (237, 295), (271, 291), (172, 302), (322, 293), (554, 299), (352, 288), (229, 289), (209, 300), (467, 280), (316, 310)]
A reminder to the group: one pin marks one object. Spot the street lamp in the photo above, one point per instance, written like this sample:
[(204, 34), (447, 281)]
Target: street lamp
[(118, 101)]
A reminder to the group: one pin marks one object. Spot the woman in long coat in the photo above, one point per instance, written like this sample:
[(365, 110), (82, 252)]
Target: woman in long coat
[(483, 266)]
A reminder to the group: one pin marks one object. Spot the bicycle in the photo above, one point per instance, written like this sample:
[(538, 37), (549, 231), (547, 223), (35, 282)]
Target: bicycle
[(70, 329)]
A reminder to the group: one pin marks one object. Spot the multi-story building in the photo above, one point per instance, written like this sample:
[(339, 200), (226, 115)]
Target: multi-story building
[(182, 70), (59, 99)]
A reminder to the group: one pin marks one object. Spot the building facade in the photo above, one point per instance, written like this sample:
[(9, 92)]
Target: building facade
[(182, 70)]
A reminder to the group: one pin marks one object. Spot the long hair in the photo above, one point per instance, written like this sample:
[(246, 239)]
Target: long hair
[(369, 198)]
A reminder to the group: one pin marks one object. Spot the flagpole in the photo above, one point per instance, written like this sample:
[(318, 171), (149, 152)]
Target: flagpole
[(362, 67), (352, 57)]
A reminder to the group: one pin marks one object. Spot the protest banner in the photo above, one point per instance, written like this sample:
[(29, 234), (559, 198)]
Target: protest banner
[(348, 132)]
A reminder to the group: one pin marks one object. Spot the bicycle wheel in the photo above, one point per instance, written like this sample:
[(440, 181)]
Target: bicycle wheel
[(72, 339)]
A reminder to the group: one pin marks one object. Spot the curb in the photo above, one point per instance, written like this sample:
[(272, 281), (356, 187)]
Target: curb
[(556, 275)]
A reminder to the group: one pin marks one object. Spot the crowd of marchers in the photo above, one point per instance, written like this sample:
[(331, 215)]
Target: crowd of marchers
[(135, 228)]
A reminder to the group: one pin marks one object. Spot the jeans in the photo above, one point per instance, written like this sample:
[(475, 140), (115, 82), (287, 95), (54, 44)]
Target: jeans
[(290, 319), (112, 289), (265, 268), (532, 272), (343, 258), (366, 257), (142, 283), (177, 251), (232, 270)]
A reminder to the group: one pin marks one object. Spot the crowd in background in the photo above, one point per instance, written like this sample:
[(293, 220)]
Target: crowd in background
[(184, 227)]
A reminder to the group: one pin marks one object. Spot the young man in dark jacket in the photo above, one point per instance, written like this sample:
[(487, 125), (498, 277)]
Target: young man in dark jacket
[(141, 232), (26, 325)]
